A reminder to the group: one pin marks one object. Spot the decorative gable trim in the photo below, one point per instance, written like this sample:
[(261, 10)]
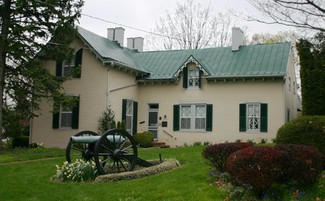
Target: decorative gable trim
[(191, 59)]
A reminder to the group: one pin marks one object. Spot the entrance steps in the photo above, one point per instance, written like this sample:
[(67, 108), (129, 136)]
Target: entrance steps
[(160, 144)]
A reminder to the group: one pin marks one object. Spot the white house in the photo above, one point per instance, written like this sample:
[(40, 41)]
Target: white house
[(242, 92)]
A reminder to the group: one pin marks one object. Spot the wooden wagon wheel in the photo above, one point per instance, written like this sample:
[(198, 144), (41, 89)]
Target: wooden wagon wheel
[(116, 151), (77, 150)]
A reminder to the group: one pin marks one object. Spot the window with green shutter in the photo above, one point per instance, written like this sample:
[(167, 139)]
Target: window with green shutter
[(193, 117), (253, 117), (71, 67)]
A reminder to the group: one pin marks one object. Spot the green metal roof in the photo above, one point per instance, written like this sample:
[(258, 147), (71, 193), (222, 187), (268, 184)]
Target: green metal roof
[(263, 60), (109, 50), (250, 61)]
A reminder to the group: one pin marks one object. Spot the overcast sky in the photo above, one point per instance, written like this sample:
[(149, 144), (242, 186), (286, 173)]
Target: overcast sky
[(143, 14)]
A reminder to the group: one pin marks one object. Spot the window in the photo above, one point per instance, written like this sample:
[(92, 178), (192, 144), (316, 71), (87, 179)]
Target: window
[(67, 117), (68, 67), (193, 117), (129, 115), (294, 87), (253, 117), (71, 68), (192, 77)]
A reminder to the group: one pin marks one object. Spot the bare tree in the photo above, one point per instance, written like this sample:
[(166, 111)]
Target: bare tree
[(307, 14), (191, 26)]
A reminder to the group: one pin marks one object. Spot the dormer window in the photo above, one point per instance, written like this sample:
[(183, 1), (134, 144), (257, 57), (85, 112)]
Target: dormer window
[(193, 79)]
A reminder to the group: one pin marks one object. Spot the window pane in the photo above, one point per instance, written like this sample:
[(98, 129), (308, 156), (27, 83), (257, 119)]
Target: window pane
[(66, 119), (128, 123), (186, 123), (186, 111), (200, 123), (129, 108)]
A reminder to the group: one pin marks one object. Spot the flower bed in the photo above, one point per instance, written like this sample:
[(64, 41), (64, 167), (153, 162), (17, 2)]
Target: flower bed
[(139, 173)]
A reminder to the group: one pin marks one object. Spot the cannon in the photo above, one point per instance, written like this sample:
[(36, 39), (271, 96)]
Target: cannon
[(113, 152)]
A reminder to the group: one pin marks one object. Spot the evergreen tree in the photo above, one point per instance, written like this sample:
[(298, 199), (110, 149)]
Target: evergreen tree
[(26, 26), (312, 72)]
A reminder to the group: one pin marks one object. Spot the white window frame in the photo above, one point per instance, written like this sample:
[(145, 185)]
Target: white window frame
[(193, 78), (253, 121), (192, 116), (61, 119)]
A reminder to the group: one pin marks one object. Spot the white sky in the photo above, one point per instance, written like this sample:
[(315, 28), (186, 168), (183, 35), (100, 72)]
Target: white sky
[(143, 14)]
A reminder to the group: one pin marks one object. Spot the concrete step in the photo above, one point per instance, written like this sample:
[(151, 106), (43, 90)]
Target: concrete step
[(160, 144)]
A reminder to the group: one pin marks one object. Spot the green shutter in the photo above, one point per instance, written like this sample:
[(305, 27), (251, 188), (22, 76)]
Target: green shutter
[(135, 117), (185, 74), (209, 115), (58, 71), (176, 118), (263, 117), (124, 110), (242, 117), (55, 120), (77, 63), (75, 115)]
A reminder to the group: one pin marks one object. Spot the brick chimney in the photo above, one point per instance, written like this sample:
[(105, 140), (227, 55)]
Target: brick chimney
[(237, 38), (116, 34), (135, 43)]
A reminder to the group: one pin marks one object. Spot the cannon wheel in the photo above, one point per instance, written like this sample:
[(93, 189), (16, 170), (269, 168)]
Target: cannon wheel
[(115, 155), (80, 150)]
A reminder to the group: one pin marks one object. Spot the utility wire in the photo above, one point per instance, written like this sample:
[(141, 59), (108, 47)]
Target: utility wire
[(134, 28)]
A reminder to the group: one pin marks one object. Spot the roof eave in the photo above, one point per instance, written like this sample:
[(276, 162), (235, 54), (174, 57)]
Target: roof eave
[(235, 78)]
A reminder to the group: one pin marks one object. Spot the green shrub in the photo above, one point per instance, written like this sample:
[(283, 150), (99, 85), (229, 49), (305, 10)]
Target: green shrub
[(308, 130), (78, 171), (21, 141), (217, 154), (144, 139)]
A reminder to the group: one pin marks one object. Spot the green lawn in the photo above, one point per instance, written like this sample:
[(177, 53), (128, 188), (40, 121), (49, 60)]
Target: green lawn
[(29, 181)]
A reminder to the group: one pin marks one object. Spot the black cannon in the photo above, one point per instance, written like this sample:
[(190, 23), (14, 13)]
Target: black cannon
[(113, 152)]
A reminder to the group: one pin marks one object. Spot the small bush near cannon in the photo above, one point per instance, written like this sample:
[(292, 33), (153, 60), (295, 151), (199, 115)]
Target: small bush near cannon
[(308, 130), (144, 139), (217, 154)]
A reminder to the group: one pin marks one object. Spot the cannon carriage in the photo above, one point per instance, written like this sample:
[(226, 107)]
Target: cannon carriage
[(113, 152)]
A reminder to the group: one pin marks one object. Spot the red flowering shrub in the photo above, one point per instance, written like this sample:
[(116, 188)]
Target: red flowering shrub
[(256, 166), (217, 154), (304, 163)]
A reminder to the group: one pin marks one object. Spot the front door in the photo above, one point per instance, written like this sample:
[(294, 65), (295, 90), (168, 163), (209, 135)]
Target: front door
[(153, 119)]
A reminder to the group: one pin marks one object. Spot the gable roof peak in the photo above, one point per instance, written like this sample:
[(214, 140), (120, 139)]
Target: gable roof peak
[(191, 59)]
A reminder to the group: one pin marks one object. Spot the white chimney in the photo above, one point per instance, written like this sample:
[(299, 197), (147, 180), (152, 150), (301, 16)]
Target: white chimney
[(116, 34), (135, 43), (237, 38)]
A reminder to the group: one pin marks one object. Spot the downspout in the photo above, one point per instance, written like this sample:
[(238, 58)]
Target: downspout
[(108, 83)]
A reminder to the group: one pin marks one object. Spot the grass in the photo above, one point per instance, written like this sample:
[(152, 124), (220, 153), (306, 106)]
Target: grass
[(29, 180)]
